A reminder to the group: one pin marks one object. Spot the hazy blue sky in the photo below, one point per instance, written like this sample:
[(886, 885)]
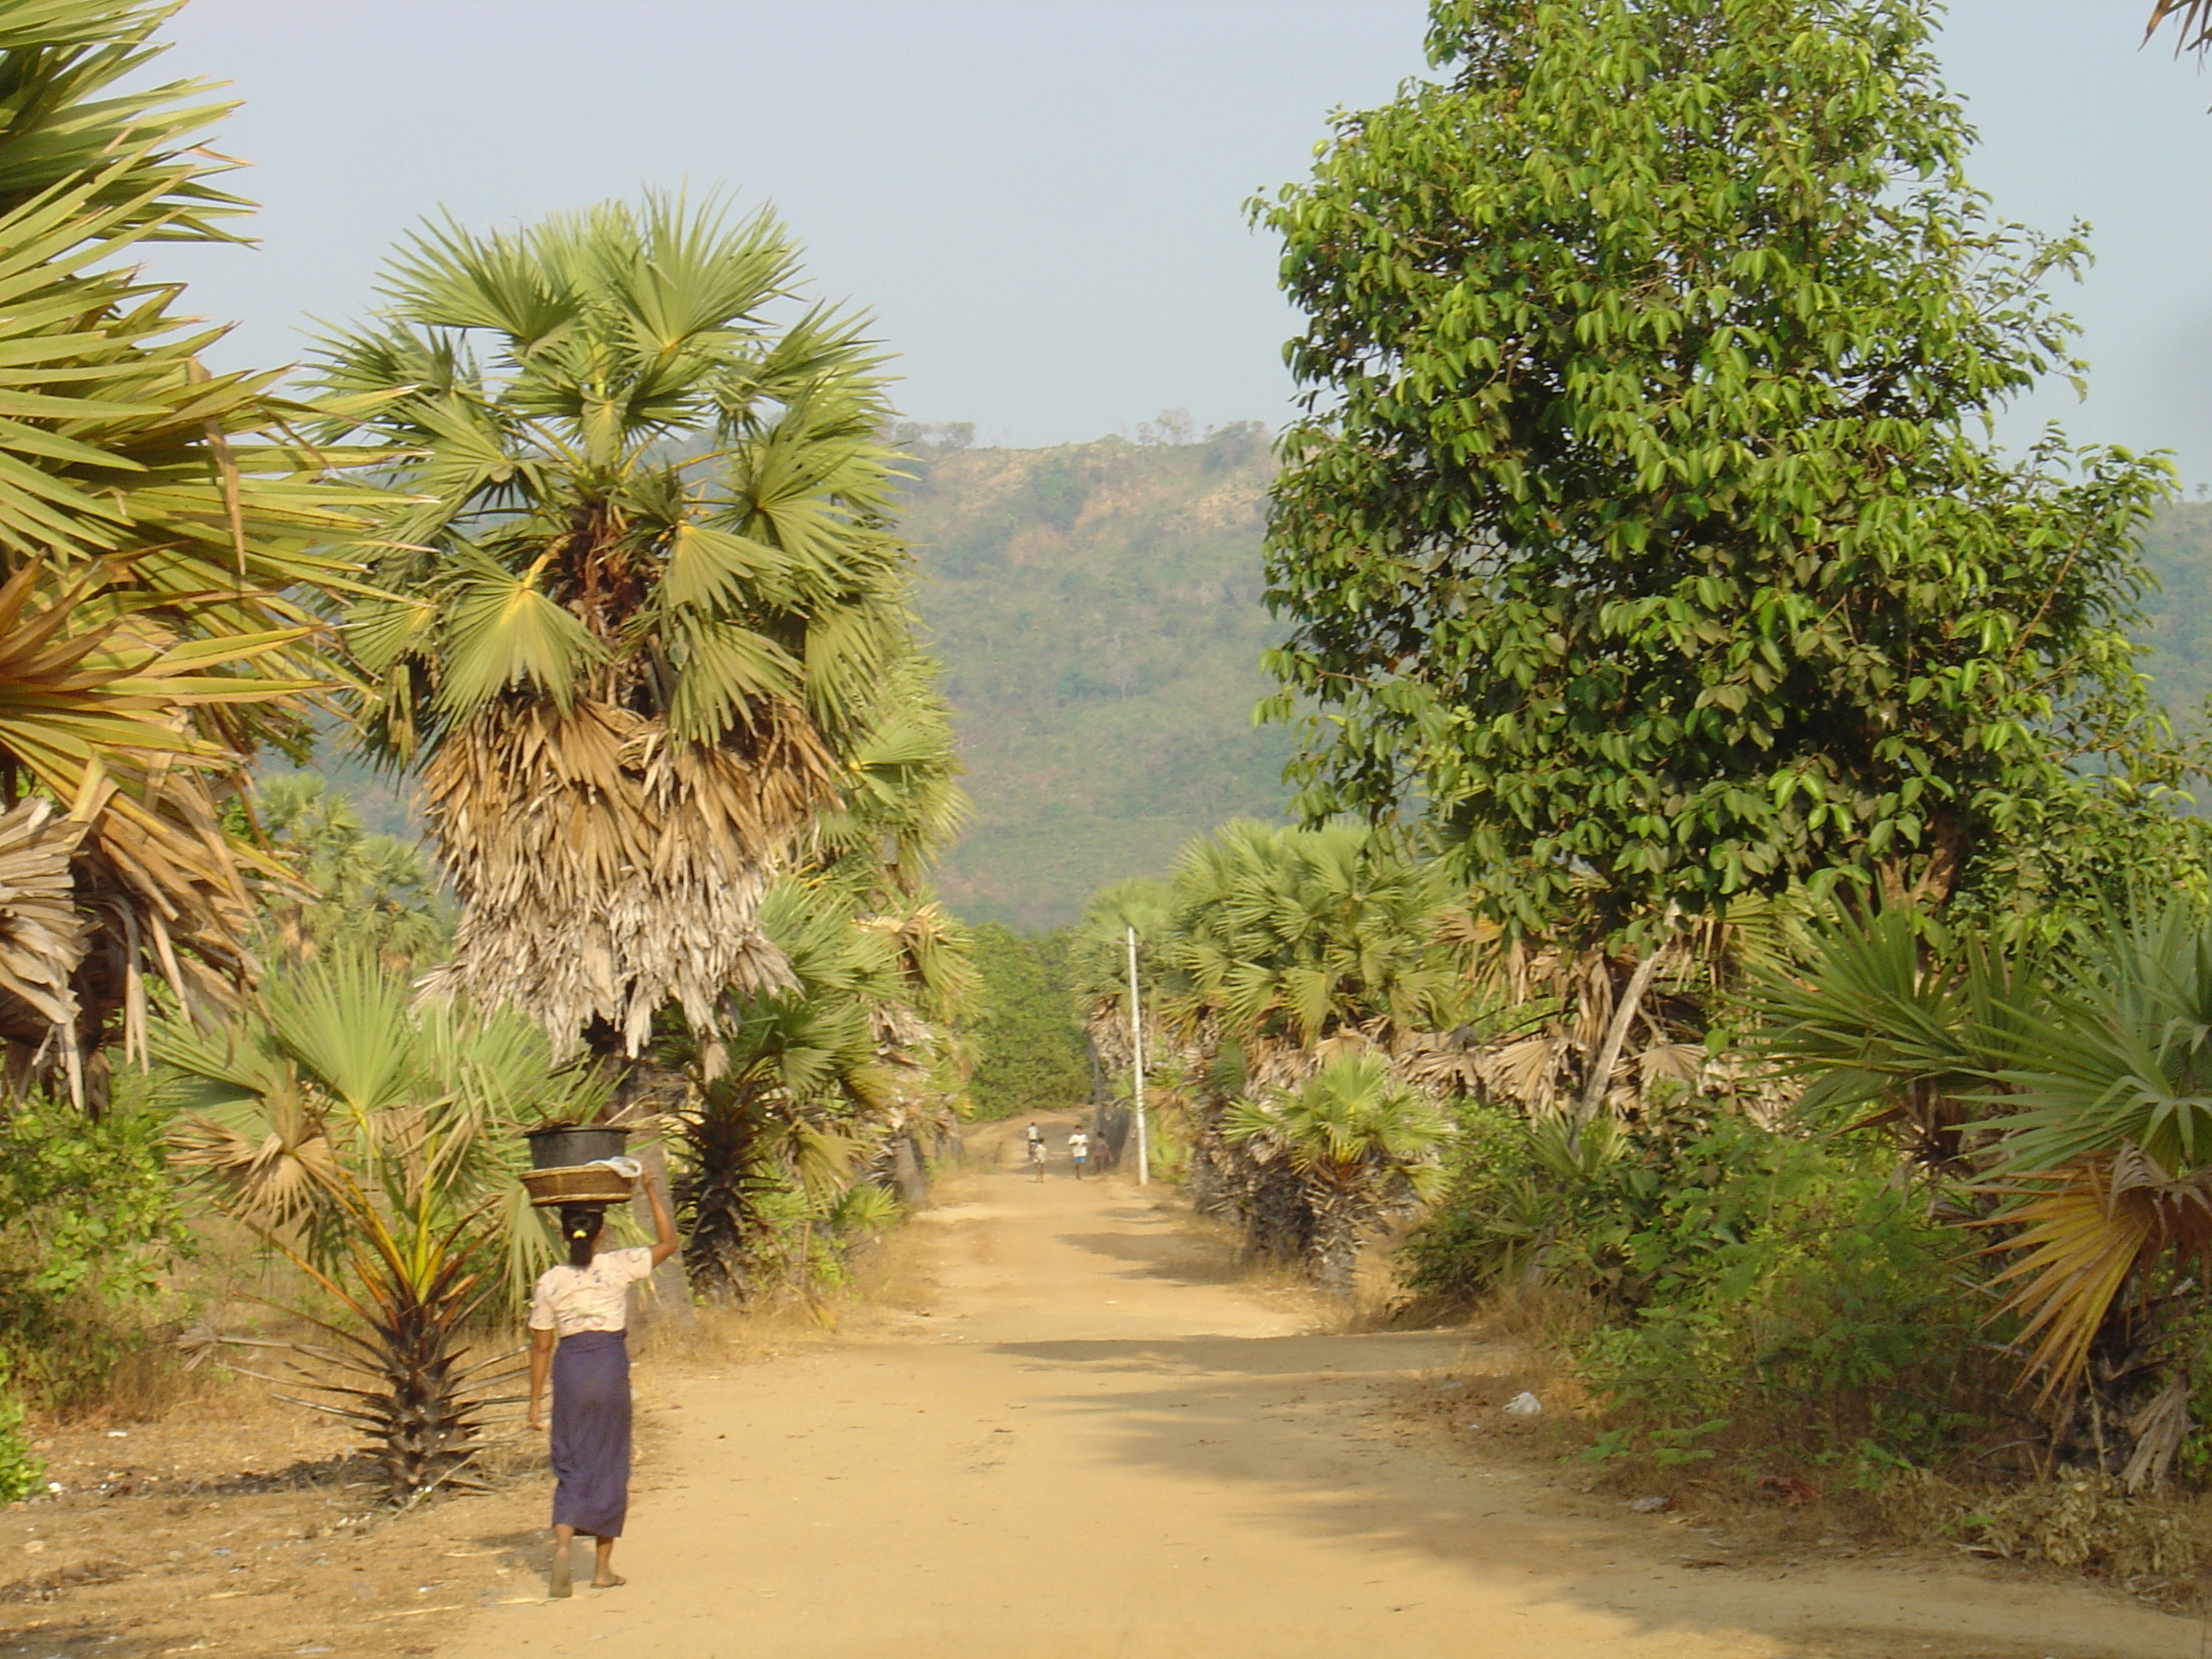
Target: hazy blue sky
[(1042, 199)]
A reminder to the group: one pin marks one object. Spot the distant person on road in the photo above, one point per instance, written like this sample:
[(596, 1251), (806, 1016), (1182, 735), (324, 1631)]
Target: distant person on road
[(1078, 1149), (1036, 1151), (577, 1343)]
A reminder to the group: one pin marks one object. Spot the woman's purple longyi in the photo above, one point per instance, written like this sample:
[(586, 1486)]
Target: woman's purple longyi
[(591, 1432)]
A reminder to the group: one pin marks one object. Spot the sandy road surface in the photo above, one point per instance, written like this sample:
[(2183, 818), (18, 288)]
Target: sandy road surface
[(1086, 1449)]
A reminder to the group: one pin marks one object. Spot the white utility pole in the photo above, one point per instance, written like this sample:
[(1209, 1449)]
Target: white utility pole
[(1137, 1061)]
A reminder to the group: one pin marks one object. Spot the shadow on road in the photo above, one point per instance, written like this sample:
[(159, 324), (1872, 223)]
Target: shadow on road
[(1304, 1424), (1380, 1354)]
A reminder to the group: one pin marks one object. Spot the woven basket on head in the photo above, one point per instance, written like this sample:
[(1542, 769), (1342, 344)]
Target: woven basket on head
[(583, 1184)]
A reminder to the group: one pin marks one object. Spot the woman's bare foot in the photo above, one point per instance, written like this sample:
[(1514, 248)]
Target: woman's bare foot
[(559, 1585), (609, 1581)]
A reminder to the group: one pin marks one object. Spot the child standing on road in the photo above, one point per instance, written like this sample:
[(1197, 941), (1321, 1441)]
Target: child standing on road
[(1078, 1149)]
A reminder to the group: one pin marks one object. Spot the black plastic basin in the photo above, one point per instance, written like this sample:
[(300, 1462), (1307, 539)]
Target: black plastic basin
[(564, 1146)]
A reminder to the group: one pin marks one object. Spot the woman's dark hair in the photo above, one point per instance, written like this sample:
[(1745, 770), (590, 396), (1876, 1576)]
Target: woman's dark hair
[(580, 1226)]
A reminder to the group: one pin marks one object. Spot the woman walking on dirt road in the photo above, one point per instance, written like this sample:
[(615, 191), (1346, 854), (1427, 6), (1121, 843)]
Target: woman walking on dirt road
[(583, 1306)]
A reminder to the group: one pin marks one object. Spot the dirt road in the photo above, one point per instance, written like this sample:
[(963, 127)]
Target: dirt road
[(1091, 1448)]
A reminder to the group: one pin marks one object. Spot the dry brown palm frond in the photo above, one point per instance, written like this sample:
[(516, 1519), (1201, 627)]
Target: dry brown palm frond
[(2089, 1240), (1527, 1071), (2195, 17), (607, 869), (97, 706), (1672, 1062), (42, 939), (2159, 1430), (1440, 1064), (279, 1164)]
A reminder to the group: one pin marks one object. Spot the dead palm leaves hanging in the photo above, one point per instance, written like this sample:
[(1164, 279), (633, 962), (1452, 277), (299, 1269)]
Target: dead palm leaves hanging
[(607, 870)]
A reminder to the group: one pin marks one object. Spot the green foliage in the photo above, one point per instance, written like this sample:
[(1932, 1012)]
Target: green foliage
[(1753, 1285), (535, 379), (89, 1218), (21, 1472), (1897, 1023), (1096, 610), (376, 1142), (1360, 1143), (1811, 1297), (1028, 1029), (374, 893), (1291, 935), (2073, 1080), (1645, 527), (646, 613), (164, 535), (796, 1092), (339, 1104), (1348, 1127)]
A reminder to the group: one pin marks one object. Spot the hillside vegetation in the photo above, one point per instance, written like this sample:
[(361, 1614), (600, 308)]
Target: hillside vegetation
[(2178, 550), (1096, 608)]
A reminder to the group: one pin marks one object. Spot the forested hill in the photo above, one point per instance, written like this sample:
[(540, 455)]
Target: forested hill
[(2178, 550), (1097, 607)]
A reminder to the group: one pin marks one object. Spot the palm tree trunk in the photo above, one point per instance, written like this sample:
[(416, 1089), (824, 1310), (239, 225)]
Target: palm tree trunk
[(718, 1250), (1624, 1017), (1279, 1220), (1339, 1221), (1212, 1190)]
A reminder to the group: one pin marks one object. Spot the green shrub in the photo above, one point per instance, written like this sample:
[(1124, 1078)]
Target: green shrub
[(1753, 1286), (21, 1473), (1812, 1303), (89, 1218)]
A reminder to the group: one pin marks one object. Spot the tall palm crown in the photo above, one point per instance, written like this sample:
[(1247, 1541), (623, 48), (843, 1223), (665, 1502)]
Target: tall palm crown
[(1287, 936), (646, 599), (156, 522)]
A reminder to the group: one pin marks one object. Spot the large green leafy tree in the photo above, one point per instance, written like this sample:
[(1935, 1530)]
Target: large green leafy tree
[(1643, 528), (649, 603)]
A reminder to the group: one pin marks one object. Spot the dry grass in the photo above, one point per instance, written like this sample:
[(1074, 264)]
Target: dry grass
[(2153, 1543)]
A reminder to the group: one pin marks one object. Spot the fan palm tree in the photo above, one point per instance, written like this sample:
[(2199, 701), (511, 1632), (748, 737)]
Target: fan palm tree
[(1893, 1027), (1285, 945), (793, 1084), (361, 891), (1287, 936), (646, 598), (378, 1145), (2104, 1148), (899, 803), (153, 533), (1358, 1140), (2070, 1093)]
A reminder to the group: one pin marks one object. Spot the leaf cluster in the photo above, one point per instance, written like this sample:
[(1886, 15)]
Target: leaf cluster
[(1643, 526)]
